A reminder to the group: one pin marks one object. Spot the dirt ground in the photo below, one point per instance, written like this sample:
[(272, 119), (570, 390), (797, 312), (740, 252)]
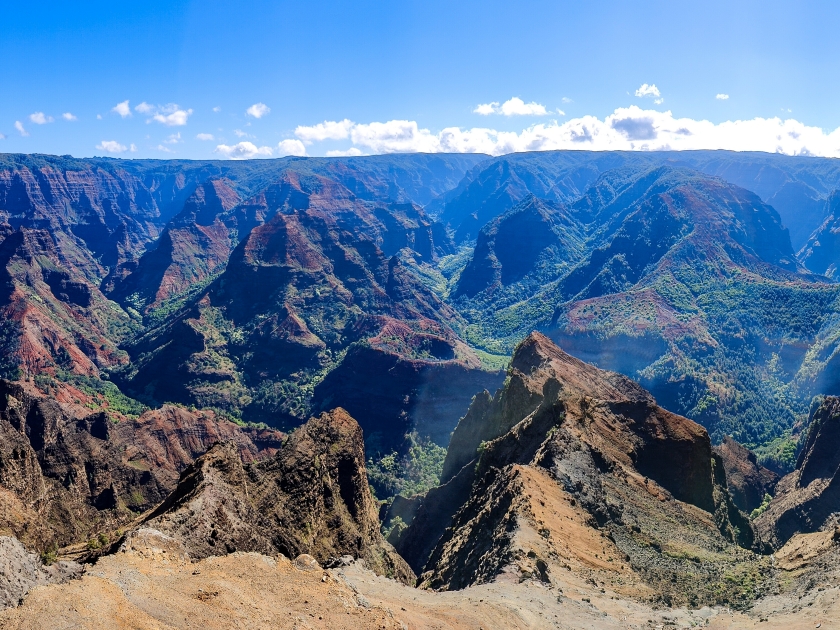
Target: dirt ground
[(153, 588)]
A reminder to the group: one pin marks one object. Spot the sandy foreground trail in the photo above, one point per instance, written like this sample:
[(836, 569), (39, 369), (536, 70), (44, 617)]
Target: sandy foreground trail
[(149, 590)]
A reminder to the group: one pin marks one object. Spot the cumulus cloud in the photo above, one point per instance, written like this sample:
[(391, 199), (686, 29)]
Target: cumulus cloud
[(177, 118), (205, 136), (513, 107), (133, 148), (217, 109), (258, 110), (566, 100), (243, 151), (21, 130), (629, 129), (174, 138), (351, 152), (68, 116), (241, 134), (2, 136), (40, 119), (327, 130), (122, 109), (111, 146), (487, 108), (170, 115), (648, 90), (722, 97), (165, 149), (290, 147)]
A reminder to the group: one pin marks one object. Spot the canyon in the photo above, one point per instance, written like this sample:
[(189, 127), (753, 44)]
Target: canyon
[(563, 389)]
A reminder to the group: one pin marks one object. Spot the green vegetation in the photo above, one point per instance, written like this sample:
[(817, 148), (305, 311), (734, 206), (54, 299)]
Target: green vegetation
[(778, 454), (412, 473), (106, 395), (761, 509)]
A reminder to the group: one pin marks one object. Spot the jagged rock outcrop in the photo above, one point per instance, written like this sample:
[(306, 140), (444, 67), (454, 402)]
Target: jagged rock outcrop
[(747, 480), (66, 477), (311, 497), (568, 465), (808, 499)]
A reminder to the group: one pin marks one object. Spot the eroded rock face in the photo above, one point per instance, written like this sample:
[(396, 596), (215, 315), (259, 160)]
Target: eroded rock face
[(808, 498), (311, 497), (571, 466), (65, 478), (21, 571), (746, 479)]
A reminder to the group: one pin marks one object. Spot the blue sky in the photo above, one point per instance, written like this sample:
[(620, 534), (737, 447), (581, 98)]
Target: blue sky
[(394, 76)]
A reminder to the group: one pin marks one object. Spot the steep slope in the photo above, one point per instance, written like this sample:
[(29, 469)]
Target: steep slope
[(748, 481), (821, 253), (67, 477), (311, 497), (807, 499), (192, 248), (526, 246), (319, 274), (54, 317), (795, 186), (574, 469), (689, 285)]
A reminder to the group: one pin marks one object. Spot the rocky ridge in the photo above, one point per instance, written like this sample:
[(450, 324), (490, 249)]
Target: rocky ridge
[(68, 475), (311, 497), (570, 468)]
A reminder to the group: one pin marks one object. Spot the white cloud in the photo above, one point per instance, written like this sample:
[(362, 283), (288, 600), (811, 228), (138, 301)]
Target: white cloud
[(68, 116), (566, 100), (395, 136), (291, 147), (722, 97), (241, 134), (258, 110), (630, 128), (648, 90), (170, 115), (351, 152), (217, 109), (165, 149), (122, 109), (205, 136), (19, 126), (513, 107), (560, 112), (111, 146), (174, 138), (487, 108), (99, 117), (40, 119), (133, 148), (327, 130), (2, 136), (243, 151), (177, 118)]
